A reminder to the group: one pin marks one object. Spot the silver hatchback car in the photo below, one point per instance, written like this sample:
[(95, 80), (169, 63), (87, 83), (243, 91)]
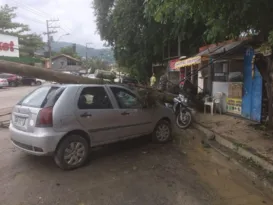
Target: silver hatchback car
[(66, 120)]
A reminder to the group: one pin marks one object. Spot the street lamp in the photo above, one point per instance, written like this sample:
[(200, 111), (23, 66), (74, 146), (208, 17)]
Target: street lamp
[(67, 34)]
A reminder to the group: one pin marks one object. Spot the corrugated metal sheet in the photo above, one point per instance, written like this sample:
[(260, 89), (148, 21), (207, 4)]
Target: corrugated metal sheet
[(222, 48)]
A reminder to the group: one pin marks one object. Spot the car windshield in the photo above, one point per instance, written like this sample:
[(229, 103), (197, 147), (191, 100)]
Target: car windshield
[(39, 97)]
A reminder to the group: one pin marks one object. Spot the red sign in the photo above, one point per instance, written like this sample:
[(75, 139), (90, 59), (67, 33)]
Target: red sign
[(172, 64), (7, 46)]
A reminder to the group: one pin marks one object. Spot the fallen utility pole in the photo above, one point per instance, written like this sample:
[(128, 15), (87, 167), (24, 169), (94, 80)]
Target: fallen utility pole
[(149, 94), (41, 73)]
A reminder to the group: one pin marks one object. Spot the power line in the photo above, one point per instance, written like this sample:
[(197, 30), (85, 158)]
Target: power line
[(32, 9), (39, 13)]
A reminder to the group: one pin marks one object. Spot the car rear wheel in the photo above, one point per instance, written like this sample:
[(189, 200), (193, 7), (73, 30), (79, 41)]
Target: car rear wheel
[(72, 152), (162, 132), (38, 83)]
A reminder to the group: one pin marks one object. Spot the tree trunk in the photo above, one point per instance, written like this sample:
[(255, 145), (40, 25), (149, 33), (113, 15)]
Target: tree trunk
[(148, 94), (49, 75)]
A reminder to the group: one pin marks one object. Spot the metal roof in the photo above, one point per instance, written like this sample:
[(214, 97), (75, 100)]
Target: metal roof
[(222, 48)]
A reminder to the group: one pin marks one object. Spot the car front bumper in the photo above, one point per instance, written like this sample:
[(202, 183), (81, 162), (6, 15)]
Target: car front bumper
[(40, 143)]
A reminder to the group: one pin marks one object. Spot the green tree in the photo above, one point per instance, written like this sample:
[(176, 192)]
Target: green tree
[(138, 38), (29, 42), (95, 63), (132, 36)]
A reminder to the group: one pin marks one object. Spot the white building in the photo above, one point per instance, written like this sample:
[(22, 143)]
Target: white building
[(9, 46)]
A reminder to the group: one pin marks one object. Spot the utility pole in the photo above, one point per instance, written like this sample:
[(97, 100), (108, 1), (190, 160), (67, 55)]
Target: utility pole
[(50, 30), (86, 56)]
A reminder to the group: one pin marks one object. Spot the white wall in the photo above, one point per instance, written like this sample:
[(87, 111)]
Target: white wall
[(9, 46)]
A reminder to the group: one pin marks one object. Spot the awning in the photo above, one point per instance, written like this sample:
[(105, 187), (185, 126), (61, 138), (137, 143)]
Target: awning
[(190, 61)]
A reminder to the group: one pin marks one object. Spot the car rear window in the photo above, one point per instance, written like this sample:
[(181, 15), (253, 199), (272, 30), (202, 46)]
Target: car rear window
[(39, 97)]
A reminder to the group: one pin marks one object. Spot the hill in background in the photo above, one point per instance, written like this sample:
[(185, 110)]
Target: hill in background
[(104, 53)]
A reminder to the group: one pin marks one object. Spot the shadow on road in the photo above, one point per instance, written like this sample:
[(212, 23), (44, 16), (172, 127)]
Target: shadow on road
[(129, 150)]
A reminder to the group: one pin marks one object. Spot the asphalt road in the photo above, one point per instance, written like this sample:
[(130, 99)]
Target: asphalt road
[(134, 172), (11, 95)]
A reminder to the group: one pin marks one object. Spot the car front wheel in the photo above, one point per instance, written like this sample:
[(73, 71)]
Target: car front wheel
[(72, 152), (162, 132), (38, 83)]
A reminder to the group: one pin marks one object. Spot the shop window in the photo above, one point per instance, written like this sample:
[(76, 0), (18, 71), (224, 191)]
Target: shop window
[(236, 71), (220, 72)]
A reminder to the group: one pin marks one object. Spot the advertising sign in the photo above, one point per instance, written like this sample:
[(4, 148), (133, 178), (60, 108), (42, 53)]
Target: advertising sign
[(172, 64), (9, 46), (190, 61)]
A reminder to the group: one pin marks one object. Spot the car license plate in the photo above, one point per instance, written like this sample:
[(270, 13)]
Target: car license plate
[(19, 121)]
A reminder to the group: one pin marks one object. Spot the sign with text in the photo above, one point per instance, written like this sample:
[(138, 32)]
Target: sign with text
[(9, 46), (172, 64), (190, 61)]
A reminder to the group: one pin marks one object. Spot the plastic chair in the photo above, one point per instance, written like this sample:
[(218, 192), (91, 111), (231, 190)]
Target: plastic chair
[(218, 101), (215, 100)]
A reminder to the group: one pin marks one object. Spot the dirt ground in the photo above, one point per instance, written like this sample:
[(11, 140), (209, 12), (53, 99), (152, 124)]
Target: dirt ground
[(132, 172)]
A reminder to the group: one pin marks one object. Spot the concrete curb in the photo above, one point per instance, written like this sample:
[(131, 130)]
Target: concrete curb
[(239, 150), (208, 133)]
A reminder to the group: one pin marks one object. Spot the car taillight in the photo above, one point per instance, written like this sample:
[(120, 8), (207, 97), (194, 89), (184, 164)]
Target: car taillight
[(44, 118)]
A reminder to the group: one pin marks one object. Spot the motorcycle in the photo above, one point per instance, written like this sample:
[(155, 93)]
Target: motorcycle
[(183, 113)]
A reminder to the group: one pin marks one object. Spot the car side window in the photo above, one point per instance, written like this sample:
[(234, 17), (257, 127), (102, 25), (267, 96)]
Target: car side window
[(94, 98), (126, 99)]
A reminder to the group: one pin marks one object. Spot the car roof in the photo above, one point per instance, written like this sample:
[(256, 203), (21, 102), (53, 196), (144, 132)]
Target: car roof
[(79, 85)]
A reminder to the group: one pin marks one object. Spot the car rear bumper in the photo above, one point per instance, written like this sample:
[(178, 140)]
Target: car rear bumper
[(39, 143)]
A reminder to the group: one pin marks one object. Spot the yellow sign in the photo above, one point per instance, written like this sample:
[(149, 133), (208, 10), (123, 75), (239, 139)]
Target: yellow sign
[(190, 61), (234, 105)]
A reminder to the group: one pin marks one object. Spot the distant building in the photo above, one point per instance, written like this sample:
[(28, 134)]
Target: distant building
[(66, 63)]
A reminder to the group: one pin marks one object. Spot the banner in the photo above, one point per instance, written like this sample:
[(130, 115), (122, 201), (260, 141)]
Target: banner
[(190, 61)]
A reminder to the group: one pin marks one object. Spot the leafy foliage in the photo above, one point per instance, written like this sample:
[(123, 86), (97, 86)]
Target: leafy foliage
[(93, 64), (131, 35), (223, 19), (138, 38), (29, 42)]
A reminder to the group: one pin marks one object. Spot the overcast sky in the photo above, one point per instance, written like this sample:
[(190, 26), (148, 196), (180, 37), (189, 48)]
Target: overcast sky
[(76, 17)]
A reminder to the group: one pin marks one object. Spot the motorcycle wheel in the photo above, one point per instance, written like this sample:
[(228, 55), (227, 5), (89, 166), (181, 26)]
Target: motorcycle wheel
[(184, 119)]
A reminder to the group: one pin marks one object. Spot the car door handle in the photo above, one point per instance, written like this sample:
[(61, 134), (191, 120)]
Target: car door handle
[(86, 115), (125, 113)]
